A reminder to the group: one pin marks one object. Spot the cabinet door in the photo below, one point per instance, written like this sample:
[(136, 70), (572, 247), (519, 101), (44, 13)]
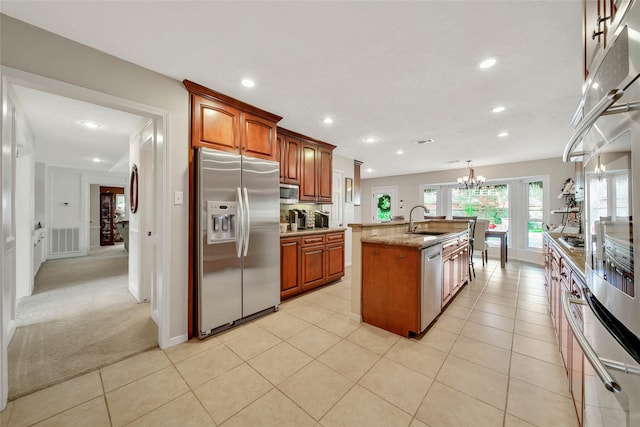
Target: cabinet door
[(308, 173), (312, 266), (293, 151), (391, 288), (258, 137), (335, 261), (447, 277), (593, 42), (289, 263), (325, 175), (281, 156), (214, 125)]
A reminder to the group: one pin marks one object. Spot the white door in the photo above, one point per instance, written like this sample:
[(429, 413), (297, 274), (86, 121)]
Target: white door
[(337, 208), (383, 203), (7, 238)]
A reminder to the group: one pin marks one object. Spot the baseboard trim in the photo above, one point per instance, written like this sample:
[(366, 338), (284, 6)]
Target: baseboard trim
[(175, 341)]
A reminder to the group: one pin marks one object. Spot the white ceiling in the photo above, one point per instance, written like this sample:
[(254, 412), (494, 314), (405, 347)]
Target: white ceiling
[(62, 140), (400, 71)]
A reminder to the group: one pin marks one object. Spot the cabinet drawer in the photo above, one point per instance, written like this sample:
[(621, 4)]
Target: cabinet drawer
[(312, 240), (335, 237)]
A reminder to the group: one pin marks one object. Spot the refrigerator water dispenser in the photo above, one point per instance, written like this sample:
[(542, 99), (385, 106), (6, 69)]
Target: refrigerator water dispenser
[(221, 225)]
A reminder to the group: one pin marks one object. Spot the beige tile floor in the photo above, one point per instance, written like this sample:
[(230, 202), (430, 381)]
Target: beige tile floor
[(490, 360)]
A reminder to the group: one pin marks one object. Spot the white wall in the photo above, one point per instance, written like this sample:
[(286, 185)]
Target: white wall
[(28, 48), (39, 193), (345, 165), (24, 226)]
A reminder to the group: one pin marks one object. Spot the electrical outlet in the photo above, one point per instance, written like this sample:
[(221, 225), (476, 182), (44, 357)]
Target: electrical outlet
[(178, 198)]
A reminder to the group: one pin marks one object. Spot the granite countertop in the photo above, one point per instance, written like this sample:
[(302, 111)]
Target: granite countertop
[(417, 241), (311, 231), (575, 256)]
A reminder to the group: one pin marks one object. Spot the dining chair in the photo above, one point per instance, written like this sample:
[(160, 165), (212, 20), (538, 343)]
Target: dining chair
[(472, 230), (480, 239)]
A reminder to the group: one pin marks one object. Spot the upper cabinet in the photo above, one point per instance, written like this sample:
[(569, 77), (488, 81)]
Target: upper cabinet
[(308, 163), (224, 123), (290, 153), (598, 26)]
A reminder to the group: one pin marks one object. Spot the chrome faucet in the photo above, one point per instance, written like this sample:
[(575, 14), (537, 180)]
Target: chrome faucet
[(411, 227)]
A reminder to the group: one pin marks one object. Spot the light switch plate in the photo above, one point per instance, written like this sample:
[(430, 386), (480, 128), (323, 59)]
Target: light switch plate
[(178, 198)]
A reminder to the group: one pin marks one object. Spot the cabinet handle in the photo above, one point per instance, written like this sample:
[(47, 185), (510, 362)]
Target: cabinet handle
[(314, 252), (290, 244), (563, 274), (452, 258), (596, 34), (401, 256)]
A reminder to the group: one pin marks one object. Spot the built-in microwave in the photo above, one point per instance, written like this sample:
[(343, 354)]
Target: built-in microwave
[(289, 194)]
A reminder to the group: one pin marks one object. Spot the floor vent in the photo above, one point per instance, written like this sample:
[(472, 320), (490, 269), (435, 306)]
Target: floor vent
[(64, 240)]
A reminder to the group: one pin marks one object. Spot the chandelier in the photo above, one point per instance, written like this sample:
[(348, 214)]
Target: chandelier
[(471, 181), (600, 169)]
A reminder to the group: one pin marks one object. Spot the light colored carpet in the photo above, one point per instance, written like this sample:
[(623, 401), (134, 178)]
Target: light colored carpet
[(81, 317)]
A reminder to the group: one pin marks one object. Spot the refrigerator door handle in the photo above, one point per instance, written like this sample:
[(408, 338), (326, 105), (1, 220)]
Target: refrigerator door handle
[(240, 225), (247, 221)]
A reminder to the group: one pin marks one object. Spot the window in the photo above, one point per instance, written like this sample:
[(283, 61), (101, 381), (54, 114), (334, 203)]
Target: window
[(430, 200), (490, 203), (534, 211)]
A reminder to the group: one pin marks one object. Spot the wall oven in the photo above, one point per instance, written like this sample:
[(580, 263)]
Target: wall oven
[(607, 141)]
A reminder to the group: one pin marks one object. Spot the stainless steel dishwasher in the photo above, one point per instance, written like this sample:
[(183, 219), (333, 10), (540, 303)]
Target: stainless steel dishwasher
[(431, 291)]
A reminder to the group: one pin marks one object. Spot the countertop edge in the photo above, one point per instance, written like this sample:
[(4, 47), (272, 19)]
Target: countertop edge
[(568, 254), (413, 240), (310, 232)]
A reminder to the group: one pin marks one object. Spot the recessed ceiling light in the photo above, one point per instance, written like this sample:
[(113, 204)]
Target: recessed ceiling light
[(498, 109), (488, 63), (89, 124), (327, 120), (96, 160), (369, 170), (371, 139), (595, 85), (399, 152), (503, 134), (248, 83)]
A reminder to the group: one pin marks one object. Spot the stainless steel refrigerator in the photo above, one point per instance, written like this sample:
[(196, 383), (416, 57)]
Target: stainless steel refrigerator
[(238, 256)]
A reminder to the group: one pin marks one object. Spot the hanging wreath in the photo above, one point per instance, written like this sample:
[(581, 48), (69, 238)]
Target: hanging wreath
[(384, 203)]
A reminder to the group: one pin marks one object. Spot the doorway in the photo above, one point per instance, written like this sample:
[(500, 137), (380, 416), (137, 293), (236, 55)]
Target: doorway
[(158, 122), (383, 203)]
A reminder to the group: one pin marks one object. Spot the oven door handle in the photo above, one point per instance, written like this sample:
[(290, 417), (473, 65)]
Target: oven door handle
[(609, 383), (588, 121)]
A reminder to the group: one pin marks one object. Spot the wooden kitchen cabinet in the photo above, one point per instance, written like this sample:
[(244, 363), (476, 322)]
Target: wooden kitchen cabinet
[(308, 163), (289, 267), (597, 28), (455, 267), (335, 256), (290, 149), (391, 287), (313, 258), (310, 261), (227, 124), (561, 277)]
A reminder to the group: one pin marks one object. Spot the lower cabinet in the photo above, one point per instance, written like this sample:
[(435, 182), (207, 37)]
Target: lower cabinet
[(310, 261), (560, 278), (391, 287), (455, 267)]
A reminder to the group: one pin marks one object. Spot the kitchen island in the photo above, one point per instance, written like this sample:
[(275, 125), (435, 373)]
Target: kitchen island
[(378, 278)]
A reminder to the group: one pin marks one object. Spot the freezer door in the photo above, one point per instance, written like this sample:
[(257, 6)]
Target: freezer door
[(219, 266), (261, 273)]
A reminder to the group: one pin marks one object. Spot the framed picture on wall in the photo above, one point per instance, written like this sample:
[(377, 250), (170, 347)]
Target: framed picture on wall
[(348, 190)]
